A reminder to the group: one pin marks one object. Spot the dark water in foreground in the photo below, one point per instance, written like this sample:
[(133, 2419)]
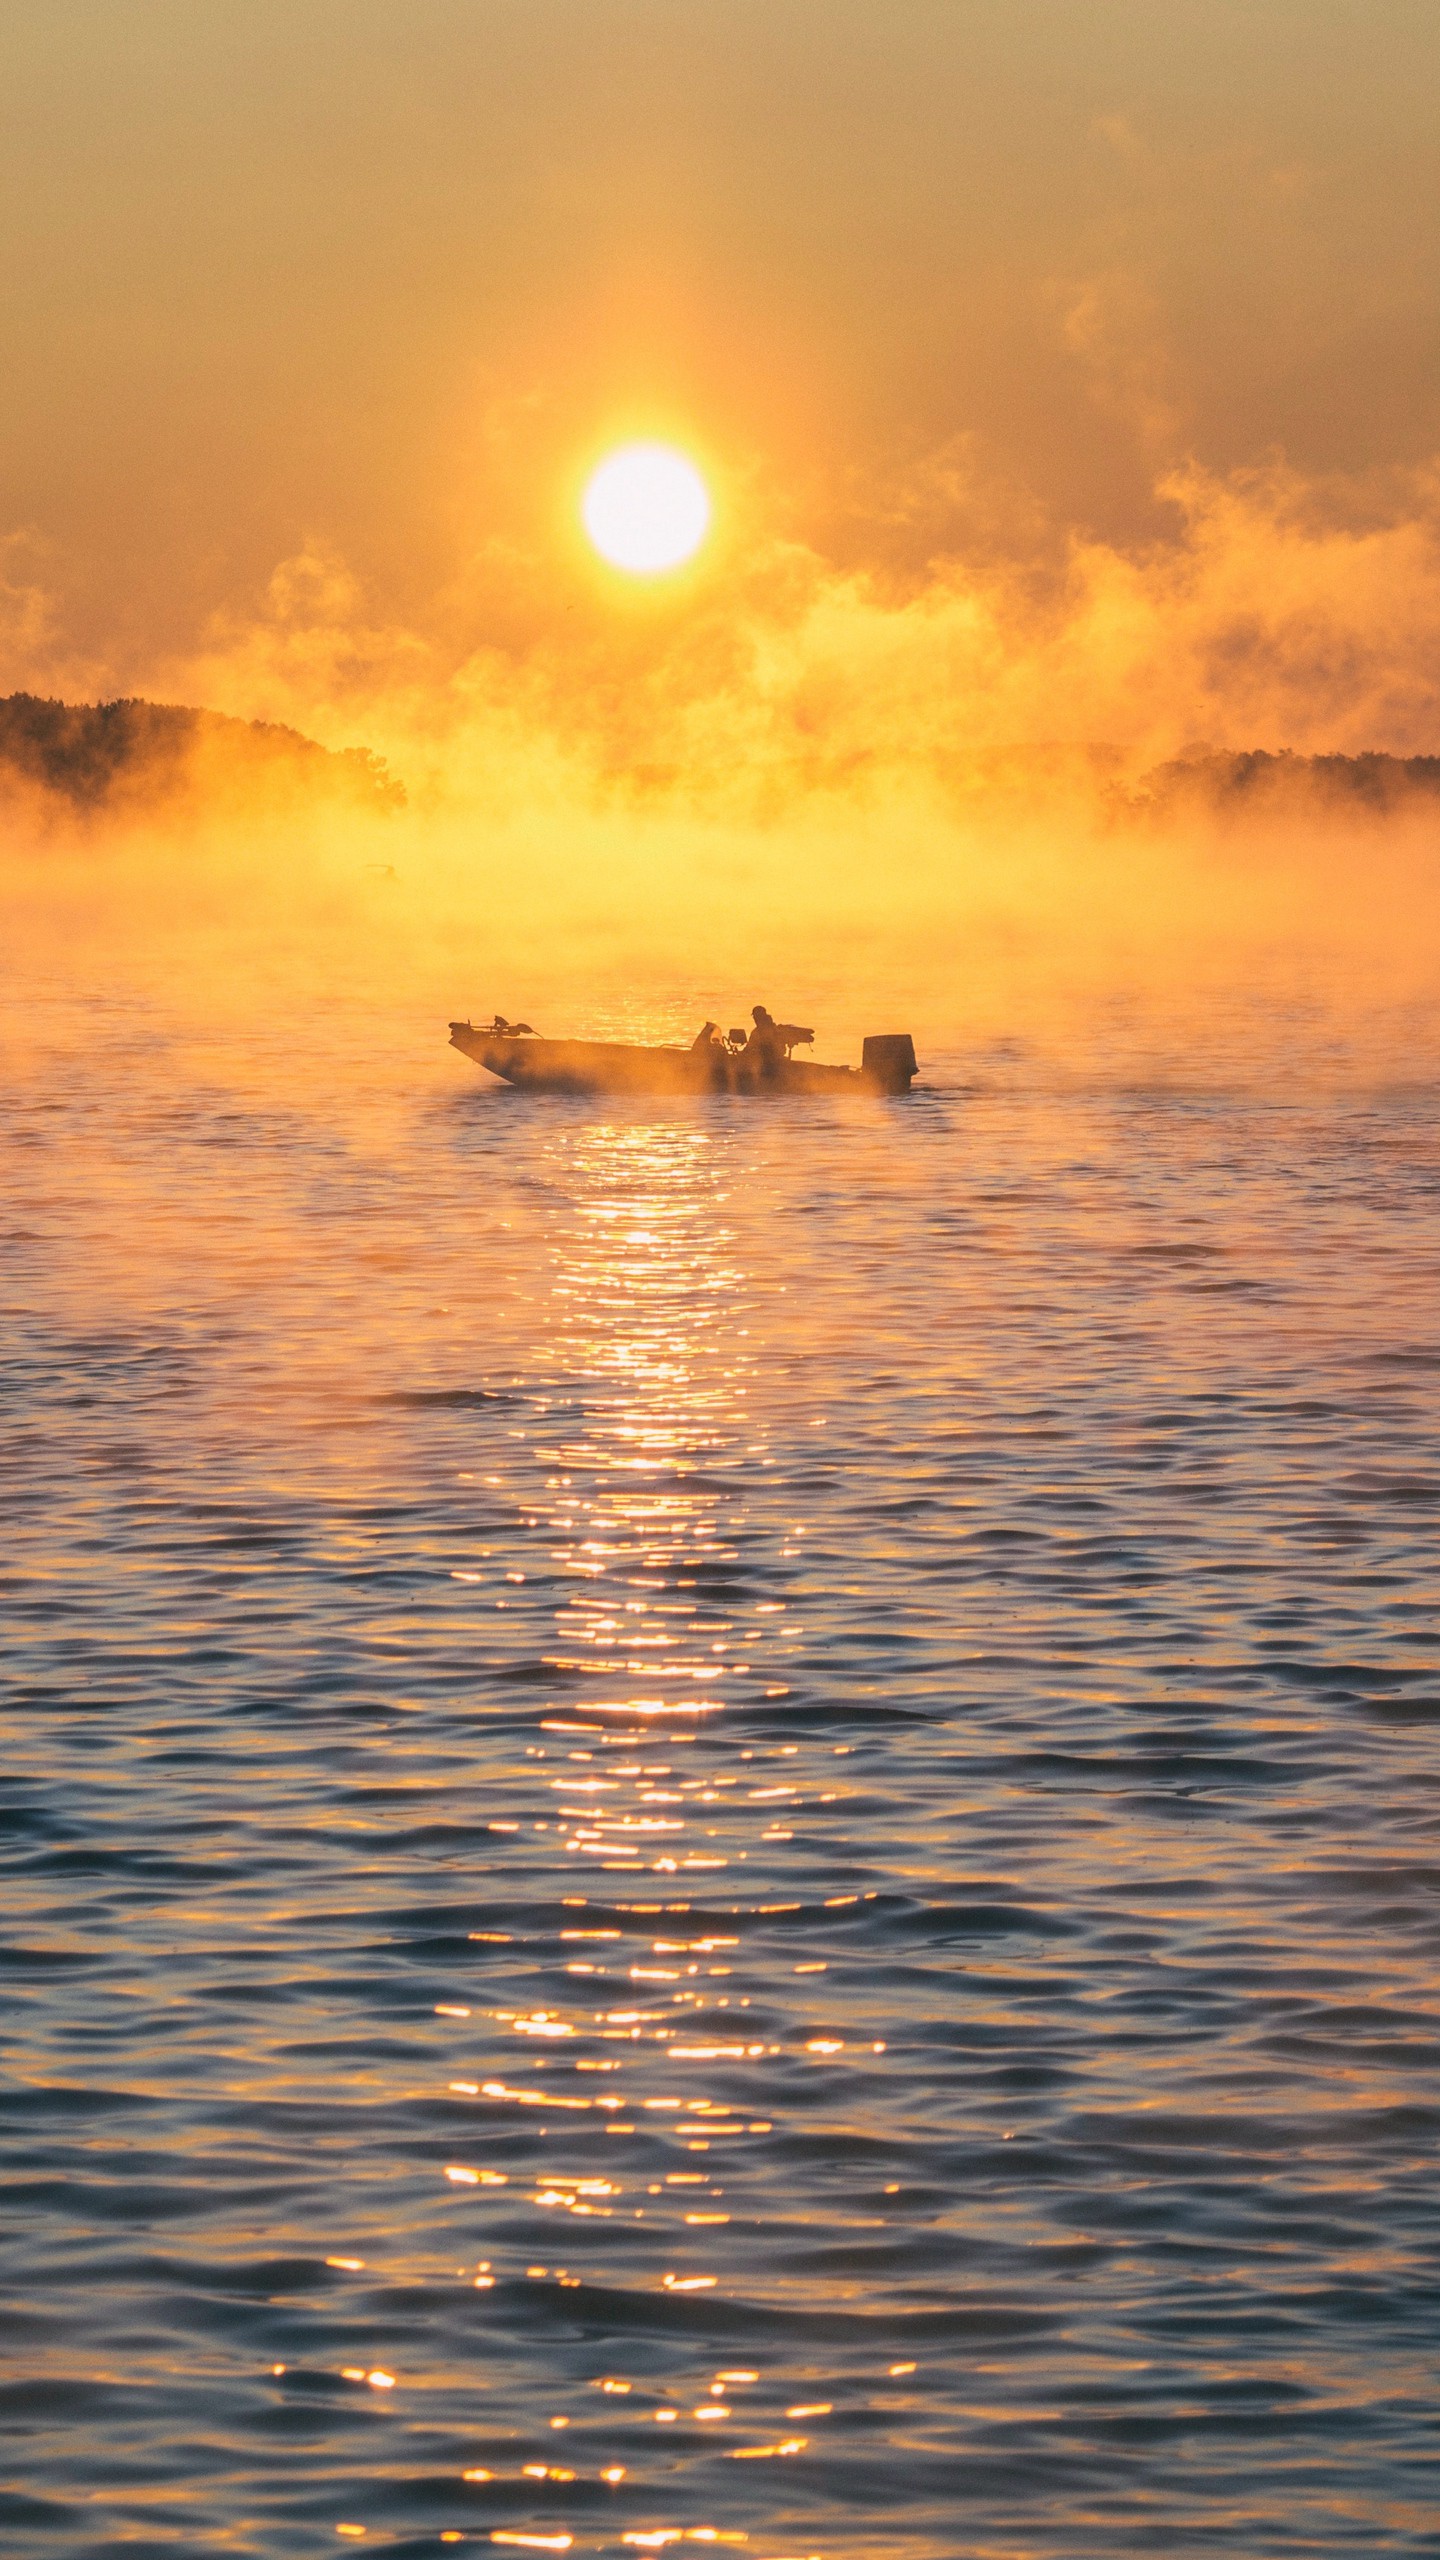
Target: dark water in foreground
[(720, 1827)]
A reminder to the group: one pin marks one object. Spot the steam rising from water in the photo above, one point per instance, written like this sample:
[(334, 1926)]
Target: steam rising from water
[(1280, 614), (859, 789)]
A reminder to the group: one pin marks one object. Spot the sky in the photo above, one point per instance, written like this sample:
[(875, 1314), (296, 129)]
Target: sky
[(1057, 347)]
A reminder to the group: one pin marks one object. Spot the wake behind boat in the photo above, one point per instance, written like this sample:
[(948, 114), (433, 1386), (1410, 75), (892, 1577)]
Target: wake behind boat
[(759, 1062)]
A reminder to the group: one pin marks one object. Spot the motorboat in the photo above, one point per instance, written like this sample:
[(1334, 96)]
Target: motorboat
[(526, 1058)]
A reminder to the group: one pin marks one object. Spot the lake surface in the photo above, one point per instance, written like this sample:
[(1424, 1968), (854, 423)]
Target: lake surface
[(720, 1822)]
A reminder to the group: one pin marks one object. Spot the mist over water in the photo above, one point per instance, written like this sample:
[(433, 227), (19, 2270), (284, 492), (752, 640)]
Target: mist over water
[(720, 1821)]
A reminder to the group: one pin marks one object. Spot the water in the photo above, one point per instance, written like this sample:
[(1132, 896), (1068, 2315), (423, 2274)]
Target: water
[(720, 1823)]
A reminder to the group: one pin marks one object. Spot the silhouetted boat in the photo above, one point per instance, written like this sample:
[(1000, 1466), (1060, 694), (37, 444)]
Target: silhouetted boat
[(617, 1066)]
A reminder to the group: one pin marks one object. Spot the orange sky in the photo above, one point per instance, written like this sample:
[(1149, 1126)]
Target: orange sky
[(1065, 372), (948, 279)]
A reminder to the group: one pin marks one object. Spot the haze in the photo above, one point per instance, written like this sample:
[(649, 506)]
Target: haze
[(1063, 378)]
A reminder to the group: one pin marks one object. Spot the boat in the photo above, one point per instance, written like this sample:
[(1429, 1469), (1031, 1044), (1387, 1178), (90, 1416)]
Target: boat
[(538, 1065)]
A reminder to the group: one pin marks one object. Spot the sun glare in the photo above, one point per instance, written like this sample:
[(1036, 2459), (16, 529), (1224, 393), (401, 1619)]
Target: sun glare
[(646, 509)]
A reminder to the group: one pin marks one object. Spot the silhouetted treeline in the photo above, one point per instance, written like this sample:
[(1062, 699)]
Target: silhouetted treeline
[(1259, 785), (100, 756)]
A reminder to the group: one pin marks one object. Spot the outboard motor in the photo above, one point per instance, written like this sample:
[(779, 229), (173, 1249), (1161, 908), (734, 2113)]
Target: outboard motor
[(888, 1061)]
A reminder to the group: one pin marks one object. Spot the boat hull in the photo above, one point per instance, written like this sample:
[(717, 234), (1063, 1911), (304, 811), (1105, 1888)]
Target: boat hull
[(616, 1066)]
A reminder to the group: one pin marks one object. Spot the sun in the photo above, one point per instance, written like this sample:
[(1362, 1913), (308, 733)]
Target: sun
[(646, 509)]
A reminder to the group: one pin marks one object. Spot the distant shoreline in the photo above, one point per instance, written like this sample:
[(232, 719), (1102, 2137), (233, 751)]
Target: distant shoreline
[(108, 758)]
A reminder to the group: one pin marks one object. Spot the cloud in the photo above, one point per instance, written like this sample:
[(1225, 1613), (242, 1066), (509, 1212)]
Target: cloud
[(789, 773), (1278, 614), (1112, 322)]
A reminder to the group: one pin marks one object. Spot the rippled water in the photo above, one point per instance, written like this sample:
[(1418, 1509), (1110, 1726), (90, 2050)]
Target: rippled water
[(720, 1822)]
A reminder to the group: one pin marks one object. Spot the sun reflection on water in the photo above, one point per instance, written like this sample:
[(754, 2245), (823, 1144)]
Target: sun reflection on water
[(651, 1455)]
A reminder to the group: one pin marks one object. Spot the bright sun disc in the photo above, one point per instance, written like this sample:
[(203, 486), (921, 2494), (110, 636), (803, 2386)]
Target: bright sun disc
[(646, 509)]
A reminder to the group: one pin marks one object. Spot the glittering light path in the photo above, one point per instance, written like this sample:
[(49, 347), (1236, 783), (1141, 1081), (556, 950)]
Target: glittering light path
[(718, 1829)]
